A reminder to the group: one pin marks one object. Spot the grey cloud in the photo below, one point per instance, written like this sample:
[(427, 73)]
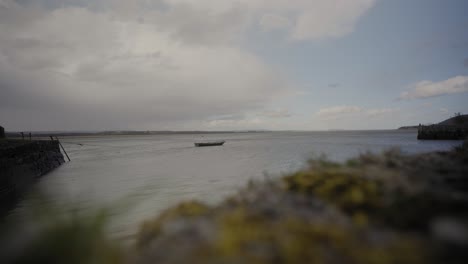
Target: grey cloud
[(270, 22), (111, 64), (229, 117), (47, 110), (84, 69), (276, 113), (187, 24), (206, 20), (465, 63), (16, 16)]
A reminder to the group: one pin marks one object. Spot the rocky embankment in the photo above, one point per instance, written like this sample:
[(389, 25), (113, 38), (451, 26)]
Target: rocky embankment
[(21, 162)]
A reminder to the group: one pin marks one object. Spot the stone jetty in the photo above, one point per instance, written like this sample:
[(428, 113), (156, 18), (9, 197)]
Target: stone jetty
[(21, 162), (2, 132)]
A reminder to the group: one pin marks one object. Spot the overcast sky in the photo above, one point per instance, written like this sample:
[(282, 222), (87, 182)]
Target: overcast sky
[(231, 64)]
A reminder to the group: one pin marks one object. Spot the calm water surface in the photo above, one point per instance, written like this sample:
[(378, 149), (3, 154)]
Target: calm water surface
[(157, 171)]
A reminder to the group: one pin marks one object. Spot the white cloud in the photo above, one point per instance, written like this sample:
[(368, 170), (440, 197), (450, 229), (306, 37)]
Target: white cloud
[(329, 19), (427, 89), (309, 19)]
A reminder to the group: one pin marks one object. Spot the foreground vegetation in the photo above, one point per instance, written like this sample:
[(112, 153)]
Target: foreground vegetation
[(388, 208)]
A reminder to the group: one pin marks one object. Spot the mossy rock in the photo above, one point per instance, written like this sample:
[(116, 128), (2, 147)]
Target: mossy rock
[(186, 210), (246, 236)]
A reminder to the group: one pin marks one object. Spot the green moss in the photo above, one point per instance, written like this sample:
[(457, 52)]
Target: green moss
[(343, 187), (364, 199), (250, 237), (151, 229), (373, 189), (239, 231)]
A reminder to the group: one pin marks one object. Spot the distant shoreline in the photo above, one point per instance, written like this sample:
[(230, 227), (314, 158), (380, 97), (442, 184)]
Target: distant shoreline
[(124, 133), (408, 128), (143, 133)]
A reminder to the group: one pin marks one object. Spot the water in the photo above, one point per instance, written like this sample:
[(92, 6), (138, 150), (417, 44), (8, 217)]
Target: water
[(157, 171)]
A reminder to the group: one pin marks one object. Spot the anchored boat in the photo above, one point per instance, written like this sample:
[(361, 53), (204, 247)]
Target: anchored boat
[(209, 143)]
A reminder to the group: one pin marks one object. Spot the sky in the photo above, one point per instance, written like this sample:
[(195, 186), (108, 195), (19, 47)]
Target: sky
[(94, 65)]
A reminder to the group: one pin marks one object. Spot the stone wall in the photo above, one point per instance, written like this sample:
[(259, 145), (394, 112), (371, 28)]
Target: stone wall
[(21, 162)]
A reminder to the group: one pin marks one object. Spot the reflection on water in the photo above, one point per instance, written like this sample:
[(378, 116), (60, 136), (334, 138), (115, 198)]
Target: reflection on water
[(156, 171)]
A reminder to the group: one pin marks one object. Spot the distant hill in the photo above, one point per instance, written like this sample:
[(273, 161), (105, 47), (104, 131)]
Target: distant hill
[(455, 121), (460, 120)]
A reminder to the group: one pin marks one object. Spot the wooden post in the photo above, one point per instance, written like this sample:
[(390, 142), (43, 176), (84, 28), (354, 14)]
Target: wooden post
[(62, 148)]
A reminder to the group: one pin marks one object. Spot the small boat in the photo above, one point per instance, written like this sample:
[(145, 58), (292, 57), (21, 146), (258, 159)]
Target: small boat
[(209, 143)]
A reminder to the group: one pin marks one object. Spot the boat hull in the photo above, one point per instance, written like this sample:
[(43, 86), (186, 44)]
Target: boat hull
[(209, 144)]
